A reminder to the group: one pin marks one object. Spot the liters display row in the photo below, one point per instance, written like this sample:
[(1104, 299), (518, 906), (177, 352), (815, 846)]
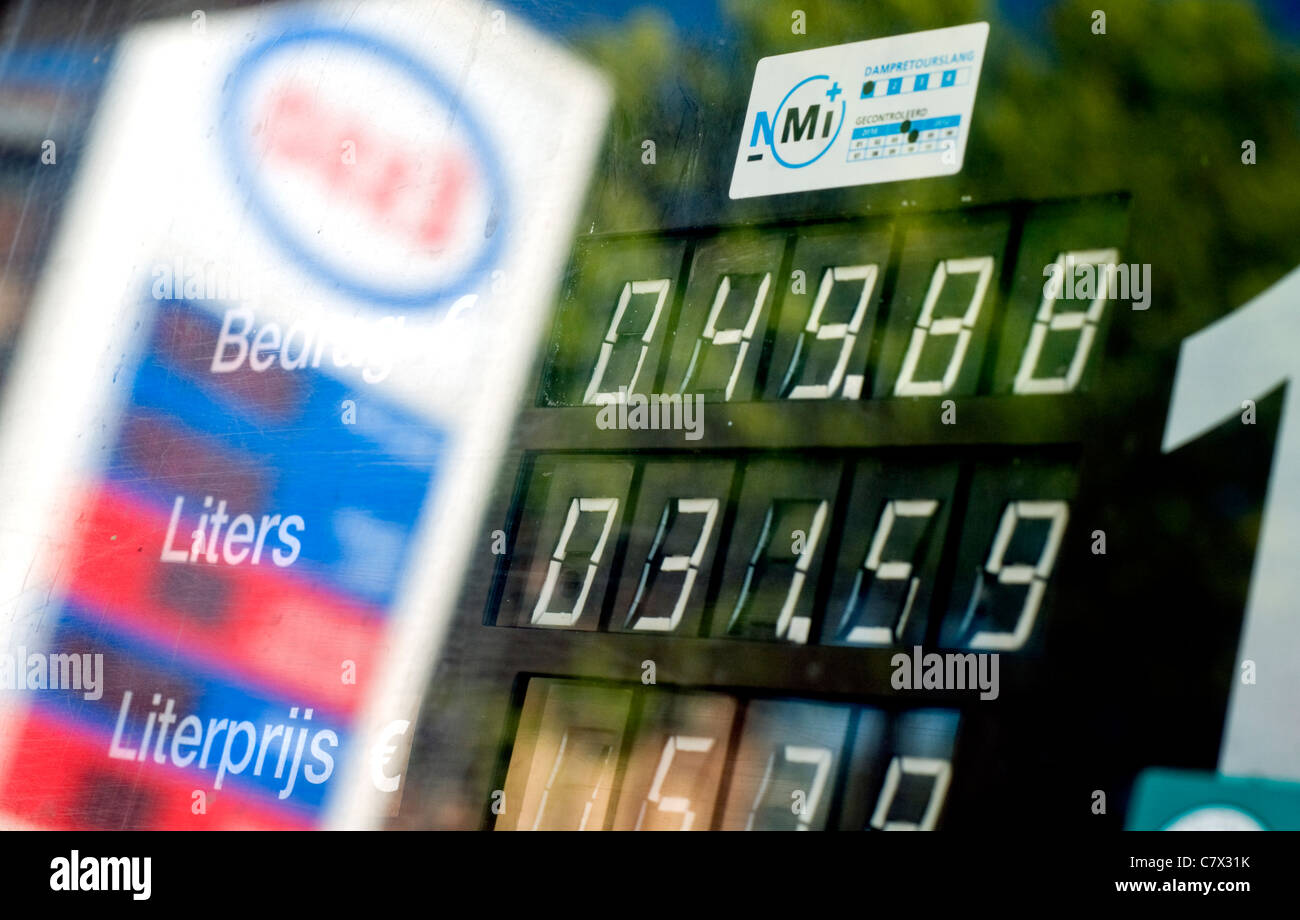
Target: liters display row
[(1006, 300), (786, 548), (590, 757)]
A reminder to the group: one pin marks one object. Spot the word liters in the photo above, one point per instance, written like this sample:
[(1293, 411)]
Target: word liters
[(243, 530), (39, 671), (107, 873), (953, 671), (190, 733), (637, 412)]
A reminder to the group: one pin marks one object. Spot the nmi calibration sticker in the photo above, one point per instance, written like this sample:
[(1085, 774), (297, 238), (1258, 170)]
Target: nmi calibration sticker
[(873, 111)]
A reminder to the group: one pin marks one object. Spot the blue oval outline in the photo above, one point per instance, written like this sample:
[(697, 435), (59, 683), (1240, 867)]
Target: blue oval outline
[(843, 109), (234, 93)]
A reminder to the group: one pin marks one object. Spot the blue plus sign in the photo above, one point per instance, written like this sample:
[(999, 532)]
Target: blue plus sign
[(834, 91)]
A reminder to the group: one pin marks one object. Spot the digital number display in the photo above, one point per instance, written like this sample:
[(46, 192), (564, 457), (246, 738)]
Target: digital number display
[(779, 579), (792, 313), (696, 627), (587, 757)]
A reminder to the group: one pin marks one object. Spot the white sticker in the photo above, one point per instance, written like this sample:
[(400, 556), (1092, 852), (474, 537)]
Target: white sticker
[(874, 111)]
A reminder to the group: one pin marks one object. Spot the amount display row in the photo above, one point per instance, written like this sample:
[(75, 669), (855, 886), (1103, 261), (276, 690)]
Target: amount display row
[(785, 548), (568, 770), (814, 312)]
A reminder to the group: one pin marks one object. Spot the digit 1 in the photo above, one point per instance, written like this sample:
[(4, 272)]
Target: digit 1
[(585, 759), (1243, 356), (788, 626)]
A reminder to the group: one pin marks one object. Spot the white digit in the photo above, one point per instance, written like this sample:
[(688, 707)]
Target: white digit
[(941, 770), (819, 757), (676, 805), (1047, 320), (889, 570), (846, 332), (960, 326), (595, 395), (1245, 355), (603, 777), (1035, 576), (788, 626), (541, 615), (739, 338), (688, 564)]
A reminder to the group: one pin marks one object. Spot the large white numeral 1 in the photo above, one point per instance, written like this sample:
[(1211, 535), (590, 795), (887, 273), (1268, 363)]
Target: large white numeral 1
[(941, 770), (1245, 355), (677, 805), (740, 338), (845, 332), (604, 777), (595, 395), (788, 626), (1035, 576), (961, 326), (578, 506), (889, 571), (1048, 320), (819, 757), (688, 564)]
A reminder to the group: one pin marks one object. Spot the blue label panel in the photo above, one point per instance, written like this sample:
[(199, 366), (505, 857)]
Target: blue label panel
[(277, 442)]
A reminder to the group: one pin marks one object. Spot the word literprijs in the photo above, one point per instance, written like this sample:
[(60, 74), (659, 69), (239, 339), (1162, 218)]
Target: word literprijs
[(637, 412), (303, 344), (39, 671), (953, 671), (191, 733), (244, 529), (106, 873)]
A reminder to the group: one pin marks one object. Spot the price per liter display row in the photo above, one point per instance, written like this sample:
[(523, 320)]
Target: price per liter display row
[(839, 550), (590, 756), (875, 308)]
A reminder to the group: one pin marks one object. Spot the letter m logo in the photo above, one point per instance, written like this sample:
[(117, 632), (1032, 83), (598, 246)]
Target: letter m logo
[(807, 125)]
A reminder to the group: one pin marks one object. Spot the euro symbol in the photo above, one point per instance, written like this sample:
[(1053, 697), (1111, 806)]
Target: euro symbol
[(383, 752)]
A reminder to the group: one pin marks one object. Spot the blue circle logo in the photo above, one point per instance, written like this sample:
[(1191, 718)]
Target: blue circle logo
[(809, 123), (477, 164)]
